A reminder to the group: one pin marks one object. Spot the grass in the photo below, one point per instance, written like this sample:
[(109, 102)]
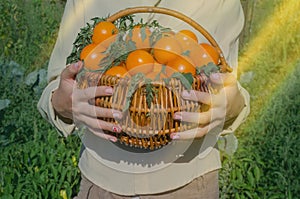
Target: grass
[(268, 149), (267, 141), (28, 30), (37, 163)]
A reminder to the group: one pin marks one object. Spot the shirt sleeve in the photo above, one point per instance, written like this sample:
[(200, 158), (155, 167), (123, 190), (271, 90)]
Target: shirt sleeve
[(242, 115), (46, 109)]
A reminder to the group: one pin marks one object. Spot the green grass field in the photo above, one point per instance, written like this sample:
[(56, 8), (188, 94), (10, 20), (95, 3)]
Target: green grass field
[(36, 163)]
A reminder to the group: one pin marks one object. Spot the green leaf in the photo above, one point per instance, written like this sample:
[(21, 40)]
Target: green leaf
[(185, 78), (250, 178), (125, 23), (130, 46), (239, 175), (257, 173), (135, 80), (96, 20), (143, 33), (163, 69), (237, 195), (186, 53), (130, 33), (249, 195), (207, 69), (149, 92), (4, 103)]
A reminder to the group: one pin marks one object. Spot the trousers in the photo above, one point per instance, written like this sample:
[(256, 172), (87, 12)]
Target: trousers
[(203, 187)]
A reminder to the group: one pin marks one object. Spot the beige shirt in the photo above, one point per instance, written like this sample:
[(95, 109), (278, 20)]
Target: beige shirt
[(133, 172)]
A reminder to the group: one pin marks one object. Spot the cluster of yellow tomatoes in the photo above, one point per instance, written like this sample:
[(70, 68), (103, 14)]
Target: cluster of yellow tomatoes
[(179, 51)]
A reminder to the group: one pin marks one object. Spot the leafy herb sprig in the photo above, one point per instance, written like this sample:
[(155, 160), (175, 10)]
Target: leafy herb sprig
[(134, 82), (207, 69), (139, 79), (150, 92), (185, 78), (84, 37)]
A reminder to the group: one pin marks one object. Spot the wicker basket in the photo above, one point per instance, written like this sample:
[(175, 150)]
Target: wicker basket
[(150, 127)]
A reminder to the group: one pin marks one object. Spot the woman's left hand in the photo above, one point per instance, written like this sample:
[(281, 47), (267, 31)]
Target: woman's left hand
[(224, 105)]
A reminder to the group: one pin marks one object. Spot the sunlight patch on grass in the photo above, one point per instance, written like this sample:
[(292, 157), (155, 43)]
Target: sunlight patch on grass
[(272, 55), (269, 66), (279, 30)]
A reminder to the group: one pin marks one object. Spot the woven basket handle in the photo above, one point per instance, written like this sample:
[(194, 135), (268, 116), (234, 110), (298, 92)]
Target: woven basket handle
[(150, 9)]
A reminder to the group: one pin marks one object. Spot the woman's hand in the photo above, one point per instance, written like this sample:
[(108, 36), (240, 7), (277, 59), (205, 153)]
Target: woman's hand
[(72, 104), (224, 105)]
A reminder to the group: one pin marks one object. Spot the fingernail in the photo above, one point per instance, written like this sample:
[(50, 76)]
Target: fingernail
[(215, 76), (117, 115), (175, 136), (177, 116), (109, 91), (76, 65), (186, 94), (116, 129), (113, 139)]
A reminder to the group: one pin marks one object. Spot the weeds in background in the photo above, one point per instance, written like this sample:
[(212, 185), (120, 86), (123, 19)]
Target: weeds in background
[(28, 30), (266, 164), (35, 162)]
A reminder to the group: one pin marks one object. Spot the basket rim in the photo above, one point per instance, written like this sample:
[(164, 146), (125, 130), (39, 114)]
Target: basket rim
[(162, 10)]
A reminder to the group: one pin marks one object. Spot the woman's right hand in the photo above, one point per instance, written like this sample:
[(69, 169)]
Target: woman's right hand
[(72, 104)]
